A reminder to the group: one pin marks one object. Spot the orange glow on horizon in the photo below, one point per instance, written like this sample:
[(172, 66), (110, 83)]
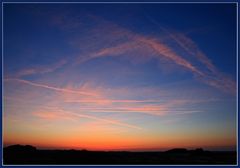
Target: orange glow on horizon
[(100, 141)]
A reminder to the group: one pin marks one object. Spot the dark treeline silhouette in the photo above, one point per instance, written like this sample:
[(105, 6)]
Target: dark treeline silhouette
[(22, 155)]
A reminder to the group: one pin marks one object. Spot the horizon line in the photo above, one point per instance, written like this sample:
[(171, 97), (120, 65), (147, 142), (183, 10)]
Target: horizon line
[(125, 149)]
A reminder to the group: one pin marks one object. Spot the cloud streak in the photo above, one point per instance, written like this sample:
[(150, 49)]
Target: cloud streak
[(41, 70), (213, 76), (136, 44), (60, 114), (164, 50), (105, 104), (49, 87), (115, 122)]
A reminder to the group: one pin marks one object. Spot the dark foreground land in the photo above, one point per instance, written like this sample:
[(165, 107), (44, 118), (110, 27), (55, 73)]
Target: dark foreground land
[(18, 154)]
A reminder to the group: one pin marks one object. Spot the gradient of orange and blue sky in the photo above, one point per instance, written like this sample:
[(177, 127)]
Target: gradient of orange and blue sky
[(120, 76)]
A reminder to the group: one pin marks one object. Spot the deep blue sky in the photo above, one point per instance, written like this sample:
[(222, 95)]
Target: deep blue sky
[(212, 26)]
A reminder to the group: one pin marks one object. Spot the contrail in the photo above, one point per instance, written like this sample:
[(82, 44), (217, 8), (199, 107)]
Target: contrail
[(49, 87), (106, 120), (216, 78)]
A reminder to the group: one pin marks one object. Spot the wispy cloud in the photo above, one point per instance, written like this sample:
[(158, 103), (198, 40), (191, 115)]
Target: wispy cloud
[(189, 46), (211, 75), (104, 103), (97, 100), (51, 115), (115, 122), (119, 41), (61, 114), (135, 43), (163, 50), (41, 70), (48, 87)]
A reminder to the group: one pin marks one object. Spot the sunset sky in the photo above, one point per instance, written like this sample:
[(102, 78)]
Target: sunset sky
[(120, 76)]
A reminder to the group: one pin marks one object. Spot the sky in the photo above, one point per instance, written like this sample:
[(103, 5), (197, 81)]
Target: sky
[(120, 76)]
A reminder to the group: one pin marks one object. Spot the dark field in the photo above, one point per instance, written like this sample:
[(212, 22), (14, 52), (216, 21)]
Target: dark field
[(18, 154)]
